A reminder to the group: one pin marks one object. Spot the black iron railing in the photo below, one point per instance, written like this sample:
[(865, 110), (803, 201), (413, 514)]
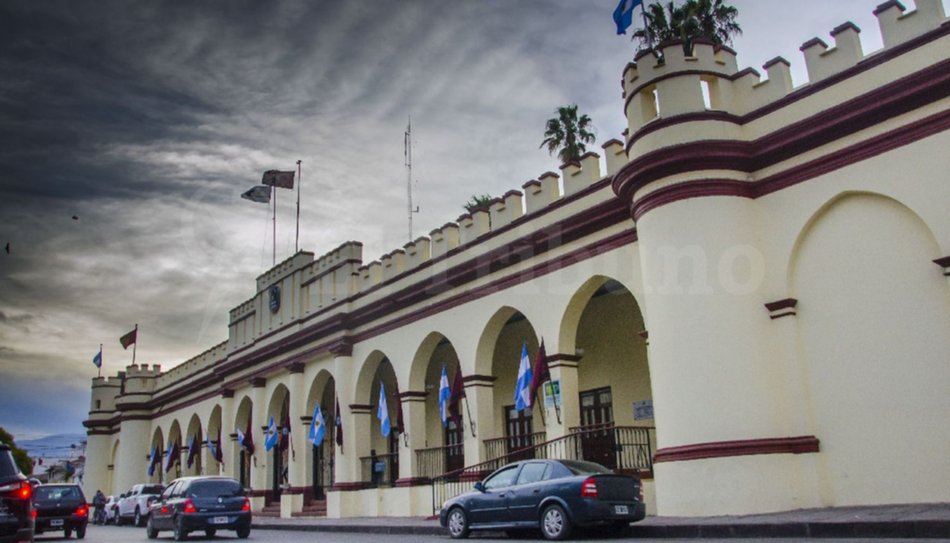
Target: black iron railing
[(379, 470), (629, 448), (434, 461)]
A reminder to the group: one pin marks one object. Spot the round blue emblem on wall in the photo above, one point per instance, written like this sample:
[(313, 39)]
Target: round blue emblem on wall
[(274, 298)]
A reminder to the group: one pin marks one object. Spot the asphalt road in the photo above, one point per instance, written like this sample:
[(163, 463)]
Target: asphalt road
[(128, 534)]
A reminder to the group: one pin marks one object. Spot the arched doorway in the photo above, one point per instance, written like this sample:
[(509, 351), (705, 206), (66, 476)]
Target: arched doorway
[(320, 468), (278, 458), (241, 456)]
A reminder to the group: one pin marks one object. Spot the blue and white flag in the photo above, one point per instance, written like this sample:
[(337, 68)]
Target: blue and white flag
[(383, 412), (623, 15), (272, 437), (523, 384), (445, 394), (317, 427), (211, 447), (151, 462), (240, 437), (97, 360)]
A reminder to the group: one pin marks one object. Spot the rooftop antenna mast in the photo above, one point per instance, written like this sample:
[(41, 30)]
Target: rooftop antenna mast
[(407, 151)]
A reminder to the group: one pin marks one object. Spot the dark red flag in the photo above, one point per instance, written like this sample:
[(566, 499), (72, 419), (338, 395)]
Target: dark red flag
[(338, 425), (541, 373), (248, 437), (129, 338), (400, 426), (455, 398)]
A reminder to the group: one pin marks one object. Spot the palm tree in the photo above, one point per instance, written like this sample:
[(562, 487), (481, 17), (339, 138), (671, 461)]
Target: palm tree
[(713, 20), (476, 203), (567, 134)]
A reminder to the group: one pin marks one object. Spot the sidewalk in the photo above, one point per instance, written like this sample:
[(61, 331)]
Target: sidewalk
[(890, 521)]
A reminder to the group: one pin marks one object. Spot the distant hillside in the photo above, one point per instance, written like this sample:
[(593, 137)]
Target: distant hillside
[(55, 446)]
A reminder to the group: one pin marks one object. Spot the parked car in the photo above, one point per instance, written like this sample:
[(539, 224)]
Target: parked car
[(553, 495), (207, 504), (133, 505), (16, 508), (112, 510), (60, 507)]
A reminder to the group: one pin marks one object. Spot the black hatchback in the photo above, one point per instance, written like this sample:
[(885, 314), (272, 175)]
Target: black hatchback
[(206, 504), (16, 510), (60, 508)]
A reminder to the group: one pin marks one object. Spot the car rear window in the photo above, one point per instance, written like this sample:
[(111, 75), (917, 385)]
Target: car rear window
[(578, 467), (54, 493), (214, 489), (8, 466), (152, 489)]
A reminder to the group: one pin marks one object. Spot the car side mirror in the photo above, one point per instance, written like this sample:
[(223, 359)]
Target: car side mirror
[(479, 486)]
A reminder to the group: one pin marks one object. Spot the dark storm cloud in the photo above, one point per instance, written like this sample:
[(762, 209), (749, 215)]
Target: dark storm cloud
[(146, 120)]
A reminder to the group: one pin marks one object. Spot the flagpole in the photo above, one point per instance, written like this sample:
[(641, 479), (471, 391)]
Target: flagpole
[(136, 344), (299, 182), (273, 191), (471, 421)]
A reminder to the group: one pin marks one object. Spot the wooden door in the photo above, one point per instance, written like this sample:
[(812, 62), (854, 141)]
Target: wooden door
[(598, 442), (518, 429)]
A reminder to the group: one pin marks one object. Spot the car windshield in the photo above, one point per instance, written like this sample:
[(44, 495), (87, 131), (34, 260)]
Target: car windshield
[(214, 489), (152, 489), (7, 465), (578, 467), (53, 493)]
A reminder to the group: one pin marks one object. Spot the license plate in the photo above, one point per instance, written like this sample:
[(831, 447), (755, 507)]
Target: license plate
[(621, 510), (56, 522), (219, 520)]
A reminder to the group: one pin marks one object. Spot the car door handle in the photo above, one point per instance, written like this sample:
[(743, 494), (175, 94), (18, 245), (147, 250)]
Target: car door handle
[(537, 491)]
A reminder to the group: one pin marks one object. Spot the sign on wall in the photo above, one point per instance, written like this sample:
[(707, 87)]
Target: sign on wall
[(552, 389), (643, 410)]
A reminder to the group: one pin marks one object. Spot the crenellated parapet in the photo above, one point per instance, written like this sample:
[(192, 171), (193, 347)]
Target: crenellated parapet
[(193, 366), (680, 100)]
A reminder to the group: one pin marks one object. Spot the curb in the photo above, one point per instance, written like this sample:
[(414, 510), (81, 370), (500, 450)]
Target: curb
[(923, 529)]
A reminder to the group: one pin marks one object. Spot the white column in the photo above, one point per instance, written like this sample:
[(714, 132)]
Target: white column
[(291, 501), (480, 396)]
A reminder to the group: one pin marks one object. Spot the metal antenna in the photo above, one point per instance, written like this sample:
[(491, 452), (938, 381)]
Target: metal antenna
[(407, 153)]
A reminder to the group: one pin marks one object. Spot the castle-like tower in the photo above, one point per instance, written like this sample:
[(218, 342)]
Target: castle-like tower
[(747, 305)]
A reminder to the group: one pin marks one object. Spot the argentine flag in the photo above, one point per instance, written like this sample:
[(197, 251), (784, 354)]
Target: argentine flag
[(272, 437), (523, 384), (383, 412), (623, 15), (211, 448), (444, 395), (317, 427), (151, 462)]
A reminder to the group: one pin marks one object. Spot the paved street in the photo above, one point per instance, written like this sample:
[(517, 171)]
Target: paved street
[(123, 534)]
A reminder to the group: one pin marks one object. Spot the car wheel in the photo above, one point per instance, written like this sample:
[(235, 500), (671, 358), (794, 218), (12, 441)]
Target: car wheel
[(243, 533), (81, 532), (179, 531), (458, 523), (554, 523), (137, 519), (150, 530), (209, 532), (67, 533)]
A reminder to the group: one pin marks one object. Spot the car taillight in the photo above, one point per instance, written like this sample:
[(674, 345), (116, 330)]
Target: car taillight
[(82, 510), (19, 490), (247, 505), (589, 488), (640, 488), (34, 513), (189, 507)]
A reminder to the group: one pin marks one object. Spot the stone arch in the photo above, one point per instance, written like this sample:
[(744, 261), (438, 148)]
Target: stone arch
[(175, 441), (213, 433), (436, 351), (318, 468), (611, 385), (242, 421), (498, 354), (872, 317), (278, 458), (157, 447), (377, 370), (193, 433)]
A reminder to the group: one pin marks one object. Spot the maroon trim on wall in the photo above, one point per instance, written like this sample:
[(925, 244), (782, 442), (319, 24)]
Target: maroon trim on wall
[(945, 264), (227, 393), (348, 487), (725, 449), (754, 189), (781, 308), (476, 377), (361, 408), (412, 394), (904, 95), (258, 382), (412, 481), (296, 367)]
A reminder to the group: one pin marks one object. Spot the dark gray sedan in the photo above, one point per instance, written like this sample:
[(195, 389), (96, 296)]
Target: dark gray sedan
[(553, 495)]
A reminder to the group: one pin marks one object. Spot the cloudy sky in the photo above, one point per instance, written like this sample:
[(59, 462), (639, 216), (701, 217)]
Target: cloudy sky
[(128, 130)]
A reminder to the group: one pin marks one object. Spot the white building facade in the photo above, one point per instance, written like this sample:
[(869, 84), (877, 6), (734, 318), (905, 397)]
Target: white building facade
[(749, 308)]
